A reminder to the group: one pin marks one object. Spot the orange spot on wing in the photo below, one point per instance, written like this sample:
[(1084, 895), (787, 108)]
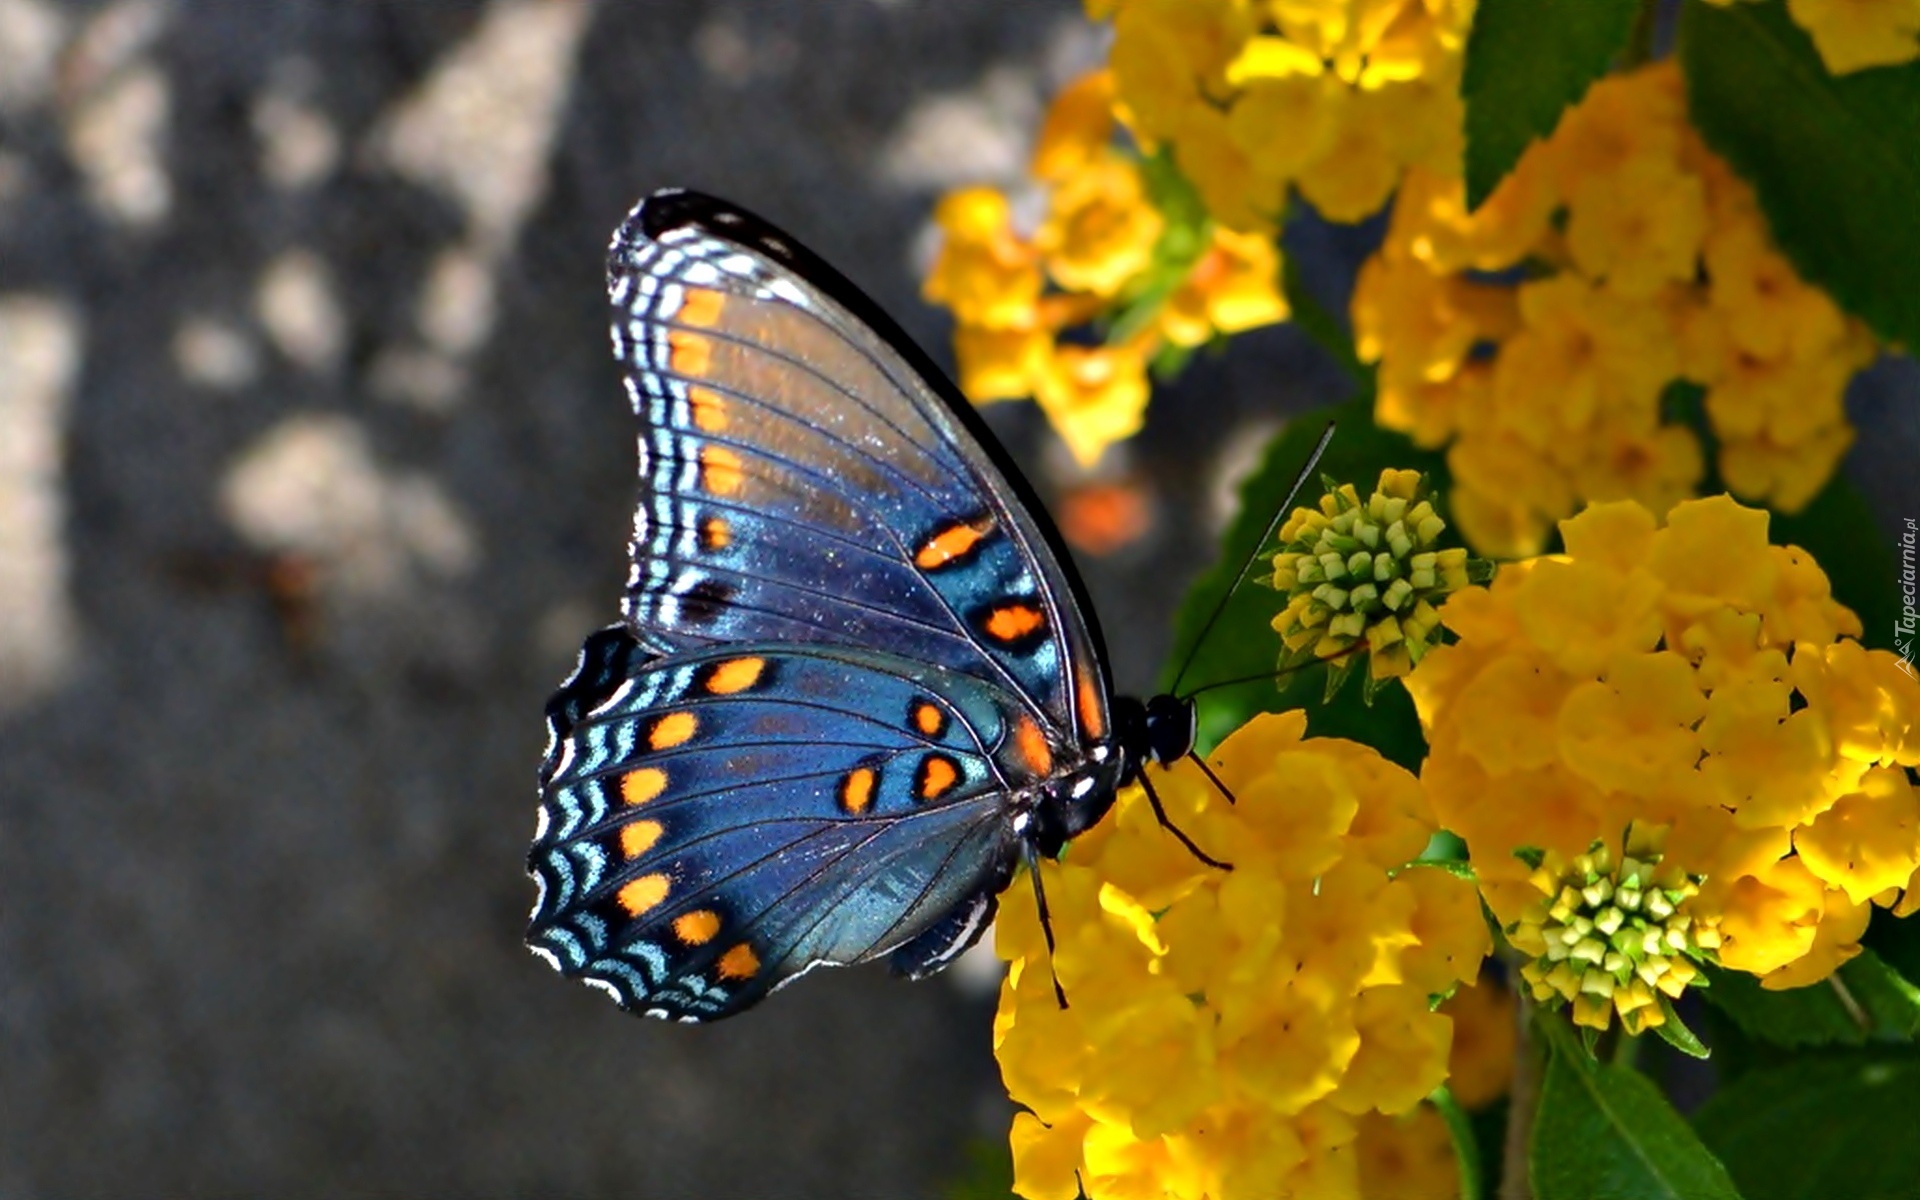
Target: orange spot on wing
[(1011, 622), (691, 353), (720, 471), (953, 542), (937, 776), (856, 790), (697, 927), (700, 306), (1035, 753), (709, 409), (1088, 701), (638, 787), (638, 837), (735, 675), (643, 894), (674, 729), (928, 719), (715, 533), (739, 963)]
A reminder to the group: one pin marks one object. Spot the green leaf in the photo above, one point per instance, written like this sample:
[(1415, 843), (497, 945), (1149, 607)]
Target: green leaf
[(1866, 999), (1243, 643), (1527, 62), (1606, 1131), (1808, 1016), (1674, 1032), (1888, 999), (1820, 1128), (1832, 159)]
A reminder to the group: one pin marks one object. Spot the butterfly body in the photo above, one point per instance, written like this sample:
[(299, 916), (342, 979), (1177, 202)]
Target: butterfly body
[(856, 684)]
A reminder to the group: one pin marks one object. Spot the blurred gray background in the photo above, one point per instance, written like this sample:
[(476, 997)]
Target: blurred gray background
[(314, 470)]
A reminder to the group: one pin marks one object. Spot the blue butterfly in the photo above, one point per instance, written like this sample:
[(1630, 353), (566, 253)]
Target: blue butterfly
[(857, 683)]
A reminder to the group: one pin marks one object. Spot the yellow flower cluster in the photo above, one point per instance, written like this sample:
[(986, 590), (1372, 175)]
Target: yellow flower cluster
[(1333, 97), (1012, 296), (1646, 262), (1365, 572), (1854, 34), (1230, 1031), (1701, 687)]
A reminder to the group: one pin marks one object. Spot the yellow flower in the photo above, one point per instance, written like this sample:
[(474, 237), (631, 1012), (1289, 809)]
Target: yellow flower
[(1676, 710), (1639, 228), (999, 364), (1235, 286), (1100, 228), (1225, 1028), (1647, 262), (1094, 396), (1854, 34), (1869, 840), (1407, 1156), (984, 273), (1485, 1033), (1077, 130)]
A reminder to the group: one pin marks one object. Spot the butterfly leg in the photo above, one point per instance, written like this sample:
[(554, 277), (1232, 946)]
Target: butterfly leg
[(1208, 771), (1046, 918), (1166, 822)]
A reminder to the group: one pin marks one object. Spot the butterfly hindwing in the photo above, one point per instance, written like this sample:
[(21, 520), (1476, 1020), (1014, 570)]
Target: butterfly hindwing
[(718, 822), (808, 477)]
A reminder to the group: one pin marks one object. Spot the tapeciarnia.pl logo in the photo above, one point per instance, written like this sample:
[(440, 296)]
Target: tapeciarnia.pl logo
[(1903, 629)]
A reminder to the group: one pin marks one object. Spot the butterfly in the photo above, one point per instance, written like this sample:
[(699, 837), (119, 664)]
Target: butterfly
[(857, 683)]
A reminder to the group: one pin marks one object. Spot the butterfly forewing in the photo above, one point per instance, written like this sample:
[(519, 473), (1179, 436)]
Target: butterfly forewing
[(804, 479)]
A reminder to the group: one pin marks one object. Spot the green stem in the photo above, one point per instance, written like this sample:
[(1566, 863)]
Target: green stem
[(1466, 1149), (1640, 39), (1523, 1102)]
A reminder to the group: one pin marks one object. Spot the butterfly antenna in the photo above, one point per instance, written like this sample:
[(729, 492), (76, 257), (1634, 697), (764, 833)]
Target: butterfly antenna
[(1046, 920), (1279, 515), (1280, 674), (1166, 822)]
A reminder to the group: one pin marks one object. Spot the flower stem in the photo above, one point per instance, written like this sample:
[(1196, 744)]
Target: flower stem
[(1523, 1101)]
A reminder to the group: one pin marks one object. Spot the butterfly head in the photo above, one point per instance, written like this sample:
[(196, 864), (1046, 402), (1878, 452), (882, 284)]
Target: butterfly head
[(1162, 730)]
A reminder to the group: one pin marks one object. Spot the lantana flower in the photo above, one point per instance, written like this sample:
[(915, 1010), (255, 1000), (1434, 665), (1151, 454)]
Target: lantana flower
[(1669, 734), (1231, 1033), (1647, 264)]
